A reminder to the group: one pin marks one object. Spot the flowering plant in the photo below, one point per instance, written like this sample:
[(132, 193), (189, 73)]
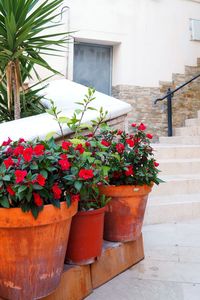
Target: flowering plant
[(129, 157), (36, 173)]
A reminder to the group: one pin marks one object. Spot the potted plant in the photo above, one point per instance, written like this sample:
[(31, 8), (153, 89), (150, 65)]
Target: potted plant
[(132, 172), (34, 217), (86, 234)]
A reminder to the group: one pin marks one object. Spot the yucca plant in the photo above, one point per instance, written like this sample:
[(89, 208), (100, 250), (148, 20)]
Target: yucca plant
[(24, 38)]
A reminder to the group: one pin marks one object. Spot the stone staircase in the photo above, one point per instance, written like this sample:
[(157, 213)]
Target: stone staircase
[(179, 157)]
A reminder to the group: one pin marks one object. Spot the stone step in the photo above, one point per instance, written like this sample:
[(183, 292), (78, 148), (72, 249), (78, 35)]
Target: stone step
[(179, 166), (173, 208), (192, 122), (166, 151), (177, 184), (187, 131), (183, 140)]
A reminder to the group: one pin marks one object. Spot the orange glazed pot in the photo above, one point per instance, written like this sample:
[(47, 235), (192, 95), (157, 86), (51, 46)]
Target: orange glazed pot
[(32, 251), (86, 237), (125, 212)]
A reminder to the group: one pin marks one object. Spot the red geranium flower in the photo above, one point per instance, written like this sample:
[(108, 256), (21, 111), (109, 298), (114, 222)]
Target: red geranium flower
[(86, 174), (8, 162), (133, 124), (40, 179), (130, 171), (63, 156), (66, 145), (65, 164), (37, 199), (149, 136), (18, 150), (105, 143), (120, 148), (56, 191), (156, 164), (142, 127), (119, 132), (10, 190), (21, 140), (75, 198), (90, 134), (6, 143), (38, 150), (87, 144), (80, 148), (20, 175), (28, 154), (130, 142)]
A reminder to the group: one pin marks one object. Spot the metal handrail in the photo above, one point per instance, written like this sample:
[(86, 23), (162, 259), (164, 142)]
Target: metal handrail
[(169, 96)]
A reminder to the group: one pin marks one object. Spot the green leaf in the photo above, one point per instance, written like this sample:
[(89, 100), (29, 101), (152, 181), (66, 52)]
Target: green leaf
[(78, 185), (50, 135), (4, 202), (6, 178), (68, 200), (63, 120), (22, 188)]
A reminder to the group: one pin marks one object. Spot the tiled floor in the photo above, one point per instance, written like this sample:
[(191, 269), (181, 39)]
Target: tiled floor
[(170, 270)]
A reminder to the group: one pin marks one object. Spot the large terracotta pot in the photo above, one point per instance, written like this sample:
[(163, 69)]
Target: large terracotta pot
[(32, 251), (86, 237), (125, 212)]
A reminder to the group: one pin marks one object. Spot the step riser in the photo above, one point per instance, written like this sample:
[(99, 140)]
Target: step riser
[(179, 187), (187, 131), (188, 140), (192, 122), (175, 168), (176, 152), (173, 212)]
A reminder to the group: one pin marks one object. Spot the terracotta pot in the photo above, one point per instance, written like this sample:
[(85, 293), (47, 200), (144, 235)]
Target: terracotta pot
[(86, 237), (125, 212), (32, 251)]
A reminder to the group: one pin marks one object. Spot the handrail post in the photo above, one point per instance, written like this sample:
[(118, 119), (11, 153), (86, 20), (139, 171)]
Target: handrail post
[(169, 111)]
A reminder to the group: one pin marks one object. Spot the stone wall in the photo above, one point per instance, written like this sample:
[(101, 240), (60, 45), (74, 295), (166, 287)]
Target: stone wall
[(185, 103)]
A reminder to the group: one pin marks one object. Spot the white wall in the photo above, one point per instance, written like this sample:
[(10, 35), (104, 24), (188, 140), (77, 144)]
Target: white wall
[(151, 38)]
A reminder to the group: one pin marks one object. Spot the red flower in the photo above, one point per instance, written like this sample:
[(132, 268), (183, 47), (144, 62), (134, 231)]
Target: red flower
[(66, 145), (130, 142), (21, 140), (129, 171), (142, 127), (80, 148), (8, 162), (120, 148), (18, 150), (65, 164), (40, 179), (10, 190), (116, 174), (63, 156), (133, 124), (119, 132), (149, 136), (75, 198), (86, 174), (28, 154), (38, 150), (37, 199), (87, 144), (56, 191), (105, 143), (90, 134), (6, 143), (20, 175), (156, 164)]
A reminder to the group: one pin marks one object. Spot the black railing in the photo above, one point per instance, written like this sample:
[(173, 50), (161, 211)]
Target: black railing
[(169, 96)]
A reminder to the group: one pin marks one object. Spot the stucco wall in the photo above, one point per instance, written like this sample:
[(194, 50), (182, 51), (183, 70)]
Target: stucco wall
[(151, 38)]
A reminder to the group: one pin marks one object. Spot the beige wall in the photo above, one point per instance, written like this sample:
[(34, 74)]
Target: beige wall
[(151, 38)]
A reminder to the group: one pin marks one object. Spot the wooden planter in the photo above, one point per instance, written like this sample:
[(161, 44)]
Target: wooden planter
[(32, 251)]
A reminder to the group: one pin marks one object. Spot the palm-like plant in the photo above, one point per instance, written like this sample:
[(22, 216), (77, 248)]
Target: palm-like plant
[(24, 37)]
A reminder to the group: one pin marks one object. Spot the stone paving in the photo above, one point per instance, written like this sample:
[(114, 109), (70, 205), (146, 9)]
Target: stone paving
[(170, 270)]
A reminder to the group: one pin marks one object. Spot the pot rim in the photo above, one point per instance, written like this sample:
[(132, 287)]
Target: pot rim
[(91, 212), (15, 217)]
